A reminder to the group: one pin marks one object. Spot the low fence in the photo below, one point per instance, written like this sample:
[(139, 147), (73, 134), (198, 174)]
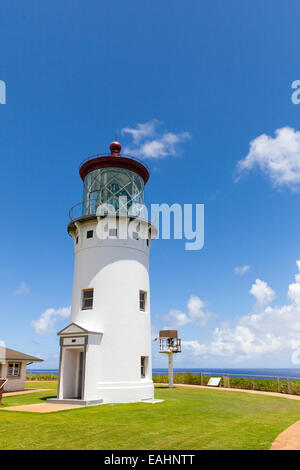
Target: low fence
[(43, 375), (267, 383)]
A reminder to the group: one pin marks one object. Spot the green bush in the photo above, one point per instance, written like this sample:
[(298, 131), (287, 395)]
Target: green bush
[(188, 378), (195, 379), (41, 377), (234, 382)]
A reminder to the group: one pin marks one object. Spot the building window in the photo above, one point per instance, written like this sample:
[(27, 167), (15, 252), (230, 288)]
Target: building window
[(113, 232), (147, 241), (87, 299), (143, 296), (90, 234), (143, 366), (14, 369), (76, 240)]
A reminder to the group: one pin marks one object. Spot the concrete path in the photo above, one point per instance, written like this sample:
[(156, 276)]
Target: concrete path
[(24, 392), (40, 408), (289, 439), (255, 392)]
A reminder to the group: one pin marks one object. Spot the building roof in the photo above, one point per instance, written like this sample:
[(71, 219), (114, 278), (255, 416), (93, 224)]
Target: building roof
[(74, 329), (12, 355), (114, 160)]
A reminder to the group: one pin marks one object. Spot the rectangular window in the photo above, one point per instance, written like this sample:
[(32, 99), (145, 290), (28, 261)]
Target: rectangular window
[(14, 369), (10, 370), (87, 299), (113, 232), (90, 234), (143, 296), (17, 370), (143, 366), (76, 240)]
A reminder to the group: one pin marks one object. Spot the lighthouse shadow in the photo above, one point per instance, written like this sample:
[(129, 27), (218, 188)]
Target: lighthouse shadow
[(46, 398)]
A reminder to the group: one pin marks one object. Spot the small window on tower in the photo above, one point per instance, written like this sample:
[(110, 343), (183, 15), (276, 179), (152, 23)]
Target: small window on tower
[(113, 232), (89, 234), (143, 296), (76, 240), (143, 366), (87, 299)]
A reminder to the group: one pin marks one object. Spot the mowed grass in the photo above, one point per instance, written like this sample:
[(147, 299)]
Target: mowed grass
[(36, 397), (188, 419)]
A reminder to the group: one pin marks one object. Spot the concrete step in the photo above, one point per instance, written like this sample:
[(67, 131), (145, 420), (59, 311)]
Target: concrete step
[(74, 401)]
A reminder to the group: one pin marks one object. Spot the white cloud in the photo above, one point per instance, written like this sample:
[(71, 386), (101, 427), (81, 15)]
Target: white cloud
[(23, 289), (195, 313), (278, 157), (263, 293), (195, 309), (240, 270), (194, 347), (146, 129), (176, 319), (44, 325), (149, 142), (272, 330)]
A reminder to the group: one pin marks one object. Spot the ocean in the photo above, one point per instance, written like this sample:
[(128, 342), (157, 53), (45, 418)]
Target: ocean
[(265, 374)]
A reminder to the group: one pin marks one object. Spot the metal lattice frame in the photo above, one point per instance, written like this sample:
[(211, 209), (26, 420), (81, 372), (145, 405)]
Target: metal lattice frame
[(112, 190)]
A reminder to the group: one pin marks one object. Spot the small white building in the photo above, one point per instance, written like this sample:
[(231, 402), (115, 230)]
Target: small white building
[(13, 367), (105, 353)]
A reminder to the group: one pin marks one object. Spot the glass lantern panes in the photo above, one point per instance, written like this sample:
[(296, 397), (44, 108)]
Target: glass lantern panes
[(108, 185)]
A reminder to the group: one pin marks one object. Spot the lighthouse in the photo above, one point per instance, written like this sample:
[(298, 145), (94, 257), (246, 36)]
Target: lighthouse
[(105, 351)]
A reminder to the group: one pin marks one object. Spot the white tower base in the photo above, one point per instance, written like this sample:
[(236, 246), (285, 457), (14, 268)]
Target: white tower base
[(80, 376)]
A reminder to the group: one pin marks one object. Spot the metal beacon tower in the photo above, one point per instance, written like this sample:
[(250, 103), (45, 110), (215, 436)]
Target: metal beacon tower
[(105, 352)]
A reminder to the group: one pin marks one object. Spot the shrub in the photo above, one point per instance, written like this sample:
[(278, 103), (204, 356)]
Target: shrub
[(234, 382), (41, 377)]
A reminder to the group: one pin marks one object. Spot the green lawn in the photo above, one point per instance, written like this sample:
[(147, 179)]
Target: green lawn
[(189, 418)]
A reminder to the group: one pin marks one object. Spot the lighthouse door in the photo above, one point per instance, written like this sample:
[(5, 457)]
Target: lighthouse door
[(80, 374), (72, 372)]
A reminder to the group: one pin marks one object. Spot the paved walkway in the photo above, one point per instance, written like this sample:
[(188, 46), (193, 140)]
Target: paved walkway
[(289, 439), (40, 408), (255, 392), (28, 390)]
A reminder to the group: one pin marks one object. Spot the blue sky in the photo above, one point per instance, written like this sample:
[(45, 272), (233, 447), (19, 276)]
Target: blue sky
[(78, 72)]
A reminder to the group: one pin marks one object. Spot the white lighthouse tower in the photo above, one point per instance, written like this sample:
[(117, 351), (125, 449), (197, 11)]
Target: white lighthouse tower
[(105, 352)]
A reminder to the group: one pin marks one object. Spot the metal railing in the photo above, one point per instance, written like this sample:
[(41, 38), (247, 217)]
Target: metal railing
[(130, 157), (169, 345), (279, 384), (42, 373), (89, 208)]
